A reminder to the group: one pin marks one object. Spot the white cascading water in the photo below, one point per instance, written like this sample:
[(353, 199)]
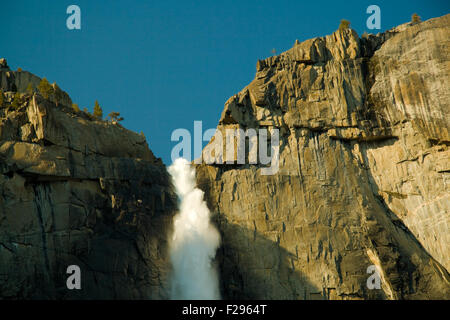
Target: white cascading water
[(194, 241)]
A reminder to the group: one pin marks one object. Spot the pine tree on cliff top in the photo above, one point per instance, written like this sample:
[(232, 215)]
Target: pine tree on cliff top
[(415, 18), (45, 88), (98, 112), (345, 24), (29, 88)]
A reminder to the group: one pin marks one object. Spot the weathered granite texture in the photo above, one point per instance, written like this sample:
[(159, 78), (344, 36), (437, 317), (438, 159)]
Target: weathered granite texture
[(82, 192), (364, 171)]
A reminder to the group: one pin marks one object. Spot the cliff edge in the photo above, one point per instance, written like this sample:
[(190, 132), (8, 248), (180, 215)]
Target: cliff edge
[(75, 190), (363, 175)]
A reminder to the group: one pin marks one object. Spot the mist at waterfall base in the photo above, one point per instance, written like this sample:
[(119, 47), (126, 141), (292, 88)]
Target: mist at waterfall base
[(194, 242)]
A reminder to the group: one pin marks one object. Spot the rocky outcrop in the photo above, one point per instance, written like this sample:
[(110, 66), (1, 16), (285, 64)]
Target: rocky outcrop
[(18, 81), (75, 191), (363, 173), (362, 181)]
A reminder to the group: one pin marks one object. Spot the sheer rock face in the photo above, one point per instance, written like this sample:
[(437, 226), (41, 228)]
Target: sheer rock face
[(79, 192), (364, 171)]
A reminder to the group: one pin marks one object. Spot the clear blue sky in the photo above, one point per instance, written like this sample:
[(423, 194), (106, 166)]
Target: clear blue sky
[(164, 64)]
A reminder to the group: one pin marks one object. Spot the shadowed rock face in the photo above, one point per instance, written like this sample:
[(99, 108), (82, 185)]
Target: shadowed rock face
[(363, 180), (364, 171), (83, 192)]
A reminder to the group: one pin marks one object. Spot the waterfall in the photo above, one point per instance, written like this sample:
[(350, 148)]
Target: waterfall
[(194, 240)]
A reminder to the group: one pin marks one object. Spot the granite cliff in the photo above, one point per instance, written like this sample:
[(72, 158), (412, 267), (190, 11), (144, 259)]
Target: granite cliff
[(363, 181), (77, 191), (364, 170)]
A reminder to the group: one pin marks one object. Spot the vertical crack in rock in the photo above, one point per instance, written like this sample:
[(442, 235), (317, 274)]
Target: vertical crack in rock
[(39, 199), (365, 147), (59, 170)]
